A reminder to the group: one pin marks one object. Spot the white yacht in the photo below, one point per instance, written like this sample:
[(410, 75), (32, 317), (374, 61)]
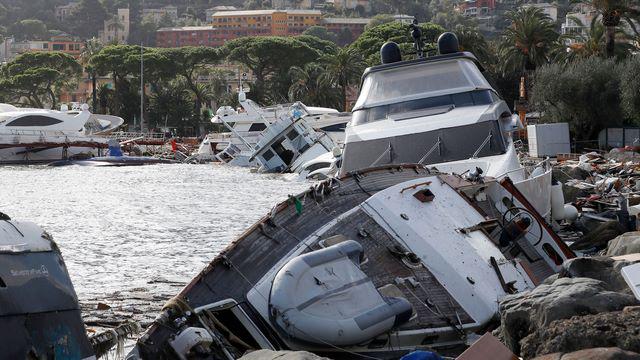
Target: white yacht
[(30, 135), (386, 258), (438, 111), (245, 127)]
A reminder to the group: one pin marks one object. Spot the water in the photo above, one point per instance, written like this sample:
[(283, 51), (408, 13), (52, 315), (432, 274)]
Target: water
[(133, 236)]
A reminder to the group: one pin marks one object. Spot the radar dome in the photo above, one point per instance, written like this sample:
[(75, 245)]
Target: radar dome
[(448, 43), (390, 53)]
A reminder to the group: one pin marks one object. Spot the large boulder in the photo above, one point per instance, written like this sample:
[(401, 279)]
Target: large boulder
[(600, 236), (619, 329), (521, 314), (600, 268), (627, 243), (612, 353), (281, 355)]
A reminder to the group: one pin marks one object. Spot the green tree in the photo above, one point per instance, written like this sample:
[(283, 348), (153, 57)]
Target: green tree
[(630, 88), (585, 93), (29, 29), (321, 46), (116, 60), (91, 48), (88, 18), (369, 43), (269, 58), (343, 69), (188, 63), (470, 39), (321, 32), (593, 43), (38, 77), (171, 105), (379, 20), (310, 86), (529, 41), (613, 13)]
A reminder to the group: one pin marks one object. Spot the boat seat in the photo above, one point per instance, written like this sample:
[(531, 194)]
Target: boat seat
[(324, 297)]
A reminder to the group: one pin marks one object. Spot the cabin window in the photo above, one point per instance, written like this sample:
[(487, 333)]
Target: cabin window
[(335, 127), (267, 155), (463, 99), (34, 120), (316, 166), (292, 134), (257, 127)]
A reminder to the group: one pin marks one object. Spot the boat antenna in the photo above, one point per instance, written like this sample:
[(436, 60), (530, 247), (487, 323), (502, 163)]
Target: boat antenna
[(416, 34), (141, 71)]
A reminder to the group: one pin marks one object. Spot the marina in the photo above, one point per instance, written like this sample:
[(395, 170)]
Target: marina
[(408, 194)]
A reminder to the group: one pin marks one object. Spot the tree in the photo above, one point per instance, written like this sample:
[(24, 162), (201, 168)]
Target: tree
[(369, 43), (321, 32), (445, 14), (345, 36), (88, 18), (29, 29), (613, 13), (189, 62), (593, 43), (116, 60), (470, 39), (630, 88), (91, 48), (343, 69), (319, 45), (529, 41), (585, 93), (309, 85), (269, 58), (38, 77), (171, 105), (379, 20)]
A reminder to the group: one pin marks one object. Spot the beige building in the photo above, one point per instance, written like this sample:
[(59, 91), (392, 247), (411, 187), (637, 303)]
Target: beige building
[(155, 15), (64, 11), (116, 29)]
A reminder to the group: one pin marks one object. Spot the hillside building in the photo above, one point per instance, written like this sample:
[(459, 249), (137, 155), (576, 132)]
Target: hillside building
[(116, 30)]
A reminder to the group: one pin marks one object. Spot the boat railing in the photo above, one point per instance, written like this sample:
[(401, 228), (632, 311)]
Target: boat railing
[(126, 135), (228, 135)]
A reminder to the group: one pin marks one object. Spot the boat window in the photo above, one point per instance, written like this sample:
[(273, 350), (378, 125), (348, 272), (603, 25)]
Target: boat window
[(34, 120), (468, 98), (267, 155), (420, 81), (334, 127), (316, 166), (292, 134), (257, 127)]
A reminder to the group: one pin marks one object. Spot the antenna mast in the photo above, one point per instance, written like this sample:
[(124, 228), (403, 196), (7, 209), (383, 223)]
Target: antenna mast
[(141, 69)]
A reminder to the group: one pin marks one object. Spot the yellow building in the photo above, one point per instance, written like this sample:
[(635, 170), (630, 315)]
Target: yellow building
[(265, 22)]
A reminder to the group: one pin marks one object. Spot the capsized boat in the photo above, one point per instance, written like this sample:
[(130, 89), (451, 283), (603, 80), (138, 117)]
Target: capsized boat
[(39, 314), (290, 142), (378, 263), (115, 157), (387, 257)]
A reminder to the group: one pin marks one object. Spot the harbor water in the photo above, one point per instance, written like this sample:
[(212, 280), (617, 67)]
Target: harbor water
[(134, 236)]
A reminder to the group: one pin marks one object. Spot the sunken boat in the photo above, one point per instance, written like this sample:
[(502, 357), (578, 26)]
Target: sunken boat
[(387, 257)]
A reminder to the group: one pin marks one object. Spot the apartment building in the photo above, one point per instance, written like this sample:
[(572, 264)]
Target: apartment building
[(266, 22), (156, 15), (116, 29), (10, 48)]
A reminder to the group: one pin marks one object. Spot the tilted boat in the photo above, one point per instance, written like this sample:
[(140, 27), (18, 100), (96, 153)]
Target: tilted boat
[(39, 311), (383, 259)]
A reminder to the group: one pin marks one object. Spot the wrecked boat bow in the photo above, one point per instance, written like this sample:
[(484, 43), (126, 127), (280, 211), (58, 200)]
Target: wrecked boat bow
[(379, 263)]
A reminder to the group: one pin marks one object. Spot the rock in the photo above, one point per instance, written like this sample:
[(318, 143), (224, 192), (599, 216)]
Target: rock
[(600, 268), (619, 329), (103, 306), (281, 355), (627, 243), (599, 238), (523, 313), (593, 354)]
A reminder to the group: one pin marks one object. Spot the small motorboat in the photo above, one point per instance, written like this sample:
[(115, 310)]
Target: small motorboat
[(115, 158)]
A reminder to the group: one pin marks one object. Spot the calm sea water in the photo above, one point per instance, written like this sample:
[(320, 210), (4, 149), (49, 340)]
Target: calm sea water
[(139, 232)]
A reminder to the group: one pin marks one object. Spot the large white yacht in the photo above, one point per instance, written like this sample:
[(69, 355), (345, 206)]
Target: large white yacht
[(29, 135)]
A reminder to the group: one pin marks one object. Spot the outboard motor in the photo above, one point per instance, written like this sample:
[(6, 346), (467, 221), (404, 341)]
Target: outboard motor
[(114, 148), (39, 311)]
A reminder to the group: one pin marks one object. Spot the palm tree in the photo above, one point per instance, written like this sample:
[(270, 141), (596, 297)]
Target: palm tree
[(529, 41), (470, 39), (309, 85), (594, 42), (343, 69), (613, 13), (91, 47)]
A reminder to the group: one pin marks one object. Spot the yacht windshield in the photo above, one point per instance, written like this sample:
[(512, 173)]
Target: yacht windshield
[(418, 107), (421, 80)]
